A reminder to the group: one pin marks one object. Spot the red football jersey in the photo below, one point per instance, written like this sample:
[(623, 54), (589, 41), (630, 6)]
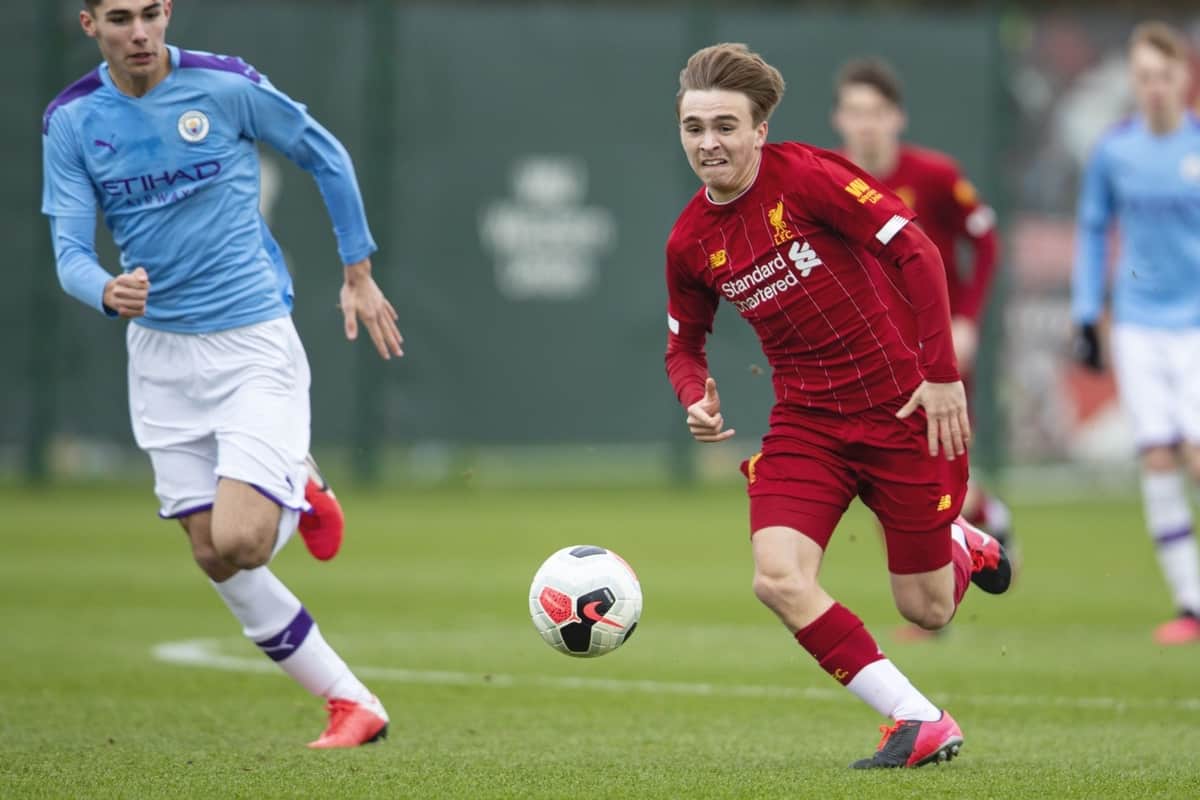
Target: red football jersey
[(949, 210), (795, 254)]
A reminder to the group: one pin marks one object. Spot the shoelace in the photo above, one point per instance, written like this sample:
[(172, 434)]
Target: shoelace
[(887, 732)]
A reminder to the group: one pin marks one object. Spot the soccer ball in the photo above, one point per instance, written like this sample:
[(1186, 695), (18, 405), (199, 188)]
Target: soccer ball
[(585, 601)]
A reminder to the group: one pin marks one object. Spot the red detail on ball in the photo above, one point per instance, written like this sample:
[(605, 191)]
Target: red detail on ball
[(626, 563), (557, 605)]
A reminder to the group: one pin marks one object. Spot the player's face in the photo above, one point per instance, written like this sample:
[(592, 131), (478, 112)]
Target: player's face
[(722, 143), (131, 35), (868, 122), (1159, 82)]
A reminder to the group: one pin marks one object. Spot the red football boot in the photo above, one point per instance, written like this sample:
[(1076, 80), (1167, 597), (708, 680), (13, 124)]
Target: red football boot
[(910, 743), (352, 724), (321, 528), (1184, 629), (990, 568)]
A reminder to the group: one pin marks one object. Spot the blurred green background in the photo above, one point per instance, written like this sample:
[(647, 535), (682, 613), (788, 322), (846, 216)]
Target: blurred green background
[(522, 170)]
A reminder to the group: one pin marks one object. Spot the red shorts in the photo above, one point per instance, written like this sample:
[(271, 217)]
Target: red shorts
[(814, 463)]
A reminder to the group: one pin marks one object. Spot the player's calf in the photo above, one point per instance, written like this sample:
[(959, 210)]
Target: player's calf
[(932, 617), (925, 599)]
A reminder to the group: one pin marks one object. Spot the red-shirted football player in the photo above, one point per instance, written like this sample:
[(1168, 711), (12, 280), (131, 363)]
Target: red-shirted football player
[(849, 300), (869, 116)]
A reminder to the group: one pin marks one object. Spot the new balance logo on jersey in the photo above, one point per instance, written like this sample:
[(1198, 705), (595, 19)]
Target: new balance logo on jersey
[(804, 257), (943, 503)]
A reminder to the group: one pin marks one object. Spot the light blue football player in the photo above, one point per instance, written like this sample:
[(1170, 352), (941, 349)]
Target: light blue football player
[(163, 143), (1144, 176)]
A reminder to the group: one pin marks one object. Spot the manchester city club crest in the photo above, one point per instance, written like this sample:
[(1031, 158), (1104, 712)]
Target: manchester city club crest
[(193, 126)]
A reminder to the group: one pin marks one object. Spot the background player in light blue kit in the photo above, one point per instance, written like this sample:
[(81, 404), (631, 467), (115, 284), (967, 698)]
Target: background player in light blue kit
[(162, 141), (1145, 175)]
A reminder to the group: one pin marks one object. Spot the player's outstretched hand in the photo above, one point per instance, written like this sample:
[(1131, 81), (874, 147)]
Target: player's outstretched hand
[(945, 407), (361, 300), (704, 416), (126, 294), (1087, 347)]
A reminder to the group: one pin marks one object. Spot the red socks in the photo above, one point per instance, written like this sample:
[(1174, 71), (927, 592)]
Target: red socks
[(840, 643)]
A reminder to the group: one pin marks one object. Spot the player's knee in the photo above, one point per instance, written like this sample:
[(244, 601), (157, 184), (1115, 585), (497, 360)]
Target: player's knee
[(1159, 459), (783, 590), (244, 546)]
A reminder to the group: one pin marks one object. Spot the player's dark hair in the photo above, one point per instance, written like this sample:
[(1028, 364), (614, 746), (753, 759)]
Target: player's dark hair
[(873, 72), (1162, 37), (733, 68)]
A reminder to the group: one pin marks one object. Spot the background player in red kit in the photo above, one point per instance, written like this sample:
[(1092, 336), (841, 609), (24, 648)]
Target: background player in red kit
[(849, 300), (869, 116)]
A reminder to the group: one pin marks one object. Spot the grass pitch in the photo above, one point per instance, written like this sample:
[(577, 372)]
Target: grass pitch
[(1058, 687)]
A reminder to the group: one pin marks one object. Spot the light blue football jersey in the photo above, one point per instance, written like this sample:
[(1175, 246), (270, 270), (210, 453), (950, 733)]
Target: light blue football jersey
[(176, 175), (1150, 186)]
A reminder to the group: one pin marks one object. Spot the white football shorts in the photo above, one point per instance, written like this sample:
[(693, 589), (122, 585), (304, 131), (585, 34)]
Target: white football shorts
[(1158, 374), (231, 404)]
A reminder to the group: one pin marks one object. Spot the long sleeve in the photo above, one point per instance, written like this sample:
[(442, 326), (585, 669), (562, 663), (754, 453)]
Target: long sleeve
[(976, 222), (881, 224), (924, 276), (69, 201), (691, 308), (985, 255), (327, 161), (271, 116), (1091, 241), (79, 271)]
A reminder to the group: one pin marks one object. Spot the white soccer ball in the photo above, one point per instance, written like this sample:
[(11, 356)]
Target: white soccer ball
[(585, 601)]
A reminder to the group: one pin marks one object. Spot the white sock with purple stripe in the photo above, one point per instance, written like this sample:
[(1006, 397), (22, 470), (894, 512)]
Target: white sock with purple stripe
[(1169, 520), (273, 618)]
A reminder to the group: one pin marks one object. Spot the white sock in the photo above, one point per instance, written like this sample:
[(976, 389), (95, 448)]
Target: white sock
[(1169, 521), (885, 689), (997, 517), (960, 538), (273, 618), (288, 520)]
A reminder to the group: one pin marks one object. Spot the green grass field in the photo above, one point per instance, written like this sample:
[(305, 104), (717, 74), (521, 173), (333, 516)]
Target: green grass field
[(1058, 688)]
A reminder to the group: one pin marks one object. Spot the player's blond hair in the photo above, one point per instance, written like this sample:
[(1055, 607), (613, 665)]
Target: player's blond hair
[(1162, 37), (733, 68)]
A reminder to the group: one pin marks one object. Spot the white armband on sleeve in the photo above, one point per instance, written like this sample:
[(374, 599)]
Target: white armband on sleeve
[(980, 221), (890, 228), (673, 324)]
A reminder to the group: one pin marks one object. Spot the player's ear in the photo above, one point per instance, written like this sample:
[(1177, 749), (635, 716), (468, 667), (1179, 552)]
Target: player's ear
[(903, 118), (760, 135), (167, 4), (87, 22)]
